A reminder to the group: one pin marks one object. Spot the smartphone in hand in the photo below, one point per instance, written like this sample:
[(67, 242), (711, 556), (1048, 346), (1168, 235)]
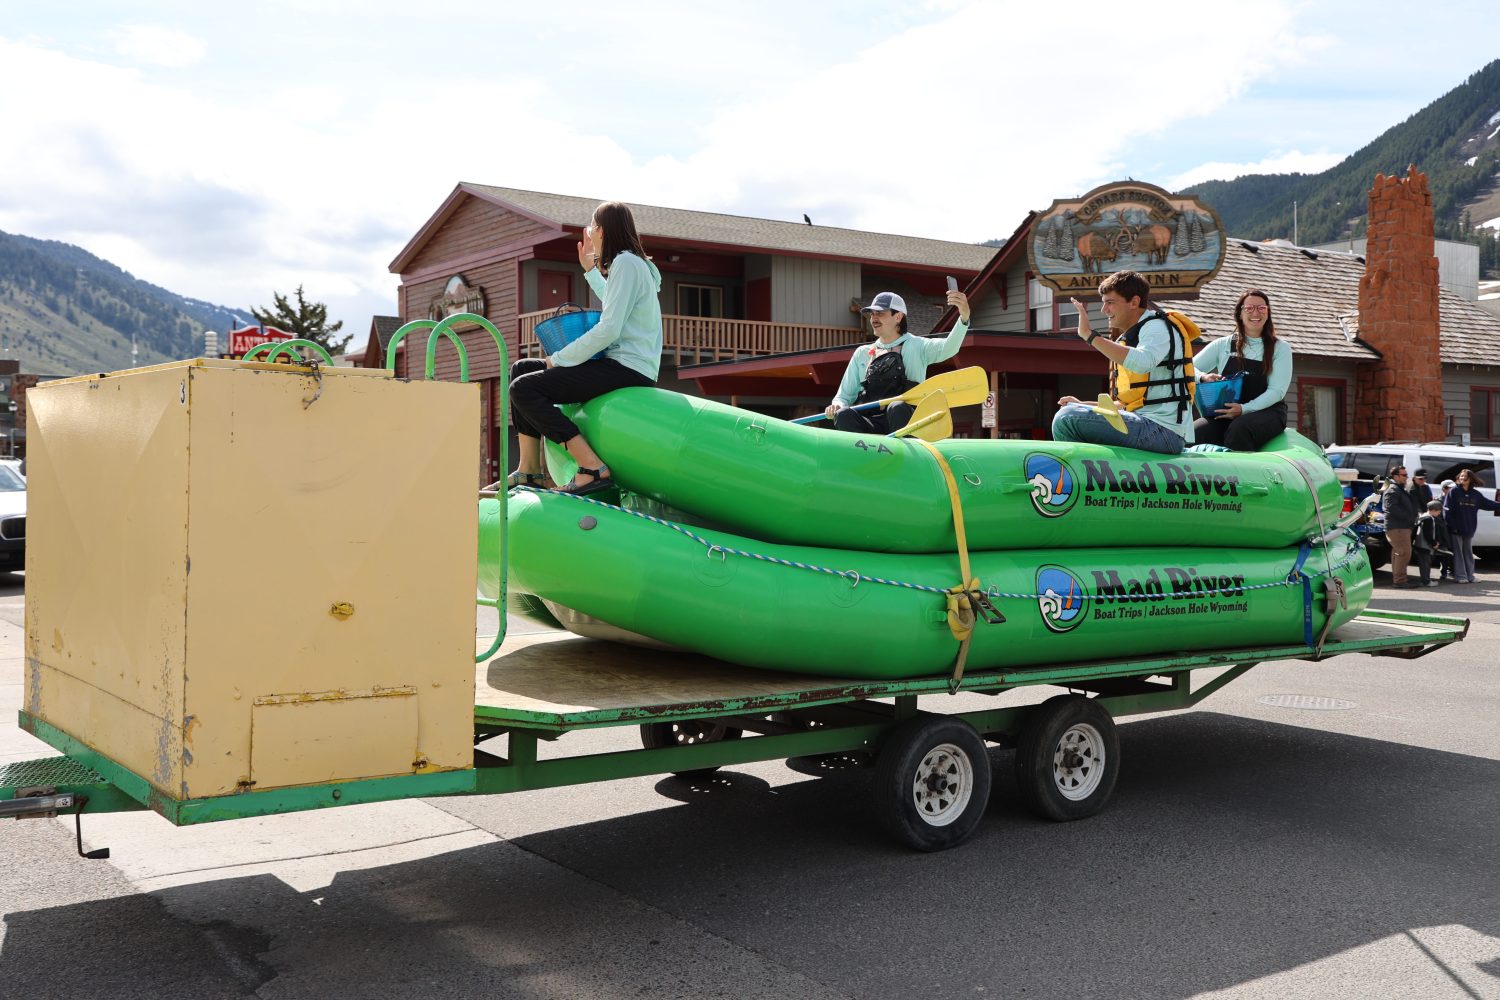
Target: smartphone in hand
[(952, 282)]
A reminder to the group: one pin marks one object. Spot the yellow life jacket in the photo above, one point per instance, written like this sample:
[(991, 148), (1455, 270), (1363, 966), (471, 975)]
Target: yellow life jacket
[(1130, 387)]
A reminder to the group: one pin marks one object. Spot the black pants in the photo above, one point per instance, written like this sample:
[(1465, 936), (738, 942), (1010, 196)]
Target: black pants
[(892, 418), (535, 391), (1247, 432)]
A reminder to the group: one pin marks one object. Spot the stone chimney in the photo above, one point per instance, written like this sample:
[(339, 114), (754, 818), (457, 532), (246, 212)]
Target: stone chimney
[(1400, 397)]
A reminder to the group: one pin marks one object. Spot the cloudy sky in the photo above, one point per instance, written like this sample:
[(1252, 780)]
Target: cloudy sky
[(226, 151)]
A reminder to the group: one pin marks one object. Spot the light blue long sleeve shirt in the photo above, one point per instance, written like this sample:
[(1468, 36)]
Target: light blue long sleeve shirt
[(1215, 358), (629, 328), (917, 353)]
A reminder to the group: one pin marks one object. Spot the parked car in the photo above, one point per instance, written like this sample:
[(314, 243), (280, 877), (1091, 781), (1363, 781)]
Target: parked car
[(1373, 463), (12, 516)]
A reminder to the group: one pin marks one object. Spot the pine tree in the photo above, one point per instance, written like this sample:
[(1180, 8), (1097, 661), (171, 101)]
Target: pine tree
[(1196, 241), (308, 321), (1180, 239), (1052, 242)]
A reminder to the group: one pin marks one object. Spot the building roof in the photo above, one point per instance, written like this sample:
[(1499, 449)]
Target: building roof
[(1309, 293), (1470, 333), (381, 328), (744, 231), (1312, 290)]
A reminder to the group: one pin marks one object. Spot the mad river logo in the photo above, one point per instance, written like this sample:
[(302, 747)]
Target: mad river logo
[(1054, 487), (1164, 485), (1060, 598), (1065, 601)]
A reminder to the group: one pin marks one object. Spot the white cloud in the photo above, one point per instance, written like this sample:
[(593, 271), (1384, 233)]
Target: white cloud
[(158, 46), (1293, 162), (947, 121)]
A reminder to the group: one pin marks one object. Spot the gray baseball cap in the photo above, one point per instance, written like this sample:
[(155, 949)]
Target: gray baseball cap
[(884, 301)]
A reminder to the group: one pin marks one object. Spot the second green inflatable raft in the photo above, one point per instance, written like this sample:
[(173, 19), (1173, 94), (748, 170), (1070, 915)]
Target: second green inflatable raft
[(881, 615)]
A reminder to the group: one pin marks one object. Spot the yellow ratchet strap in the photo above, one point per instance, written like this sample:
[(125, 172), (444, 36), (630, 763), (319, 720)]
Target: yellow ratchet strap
[(965, 599)]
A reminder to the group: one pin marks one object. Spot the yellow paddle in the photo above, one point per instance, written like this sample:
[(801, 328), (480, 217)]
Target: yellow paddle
[(931, 421), (960, 387), (1106, 408)]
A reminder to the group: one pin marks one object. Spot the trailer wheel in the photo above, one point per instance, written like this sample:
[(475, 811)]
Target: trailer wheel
[(1067, 758), (690, 732), (933, 777)]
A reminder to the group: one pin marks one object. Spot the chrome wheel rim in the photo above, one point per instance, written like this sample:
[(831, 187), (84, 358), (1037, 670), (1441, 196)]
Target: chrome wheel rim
[(942, 784), (1078, 762)]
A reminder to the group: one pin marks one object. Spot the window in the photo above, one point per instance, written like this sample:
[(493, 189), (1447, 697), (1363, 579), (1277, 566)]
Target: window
[(1067, 317), (1047, 311), (1371, 465), (700, 300), (1320, 409), (1439, 469), (1040, 303), (1484, 414)]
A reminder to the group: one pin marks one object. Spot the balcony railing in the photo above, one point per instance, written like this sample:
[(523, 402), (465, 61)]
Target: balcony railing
[(691, 340)]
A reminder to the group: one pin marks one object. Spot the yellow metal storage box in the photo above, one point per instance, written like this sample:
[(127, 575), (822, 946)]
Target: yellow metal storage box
[(250, 576)]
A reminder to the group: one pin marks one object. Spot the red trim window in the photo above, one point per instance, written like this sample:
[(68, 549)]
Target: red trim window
[(1046, 311), (1320, 409), (1484, 414)]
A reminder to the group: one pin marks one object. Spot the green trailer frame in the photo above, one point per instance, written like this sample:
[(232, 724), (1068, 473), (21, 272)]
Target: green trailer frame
[(934, 771), (933, 768)]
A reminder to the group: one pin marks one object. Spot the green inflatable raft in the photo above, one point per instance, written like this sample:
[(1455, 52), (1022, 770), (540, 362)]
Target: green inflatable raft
[(766, 478), (867, 614)]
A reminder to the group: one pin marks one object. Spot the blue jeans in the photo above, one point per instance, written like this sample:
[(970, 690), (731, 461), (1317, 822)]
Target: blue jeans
[(1079, 422)]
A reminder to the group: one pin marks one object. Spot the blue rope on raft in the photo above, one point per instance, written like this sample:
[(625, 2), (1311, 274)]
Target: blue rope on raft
[(1297, 575), (855, 577)]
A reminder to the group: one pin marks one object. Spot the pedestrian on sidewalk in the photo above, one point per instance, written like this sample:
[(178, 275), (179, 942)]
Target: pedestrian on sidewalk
[(1431, 543), (1461, 511), (1400, 521)]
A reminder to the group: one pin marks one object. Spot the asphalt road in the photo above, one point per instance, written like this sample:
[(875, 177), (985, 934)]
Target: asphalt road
[(1249, 851)]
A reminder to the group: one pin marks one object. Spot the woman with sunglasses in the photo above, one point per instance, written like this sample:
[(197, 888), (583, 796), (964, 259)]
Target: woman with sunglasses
[(1461, 509), (1266, 364), (629, 333)]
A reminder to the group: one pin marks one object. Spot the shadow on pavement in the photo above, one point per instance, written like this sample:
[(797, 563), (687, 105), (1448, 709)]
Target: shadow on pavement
[(1233, 849)]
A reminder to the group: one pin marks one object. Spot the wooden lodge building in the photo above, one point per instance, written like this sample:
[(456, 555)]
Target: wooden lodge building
[(764, 314)]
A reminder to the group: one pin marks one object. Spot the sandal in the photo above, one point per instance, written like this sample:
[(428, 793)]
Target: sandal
[(535, 480), (601, 481)]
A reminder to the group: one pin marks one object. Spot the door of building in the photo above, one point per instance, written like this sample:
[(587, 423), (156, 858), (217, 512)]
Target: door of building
[(553, 288)]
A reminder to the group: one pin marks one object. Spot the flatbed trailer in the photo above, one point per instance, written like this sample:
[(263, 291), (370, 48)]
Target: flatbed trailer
[(695, 714)]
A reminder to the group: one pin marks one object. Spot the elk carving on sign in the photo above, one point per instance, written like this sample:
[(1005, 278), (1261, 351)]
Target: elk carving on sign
[(1152, 241), (1094, 248)]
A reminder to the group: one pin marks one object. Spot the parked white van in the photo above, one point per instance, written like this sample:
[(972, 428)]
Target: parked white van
[(1373, 463)]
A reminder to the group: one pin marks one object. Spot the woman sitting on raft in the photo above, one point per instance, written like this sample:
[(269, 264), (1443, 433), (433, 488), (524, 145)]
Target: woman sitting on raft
[(1266, 363), (628, 332), (896, 362)]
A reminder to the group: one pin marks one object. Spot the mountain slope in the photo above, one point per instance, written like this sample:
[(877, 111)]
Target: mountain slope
[(1454, 140), (64, 311)]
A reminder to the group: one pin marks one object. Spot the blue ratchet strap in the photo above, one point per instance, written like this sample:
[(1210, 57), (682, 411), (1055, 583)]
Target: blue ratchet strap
[(1307, 598)]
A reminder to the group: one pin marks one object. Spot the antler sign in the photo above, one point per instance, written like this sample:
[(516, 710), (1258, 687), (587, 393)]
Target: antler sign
[(1176, 243)]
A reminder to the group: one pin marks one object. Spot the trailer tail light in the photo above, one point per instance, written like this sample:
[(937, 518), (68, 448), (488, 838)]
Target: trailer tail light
[(1348, 504)]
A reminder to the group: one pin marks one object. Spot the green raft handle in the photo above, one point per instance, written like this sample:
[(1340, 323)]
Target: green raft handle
[(438, 331), (276, 348)]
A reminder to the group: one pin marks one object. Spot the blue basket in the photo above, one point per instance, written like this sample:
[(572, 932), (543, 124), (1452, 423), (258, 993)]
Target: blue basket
[(1213, 395), (558, 332)]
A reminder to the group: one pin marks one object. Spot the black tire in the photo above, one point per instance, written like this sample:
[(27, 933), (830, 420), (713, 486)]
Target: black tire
[(1379, 553), (933, 781), (1067, 758), (656, 735)]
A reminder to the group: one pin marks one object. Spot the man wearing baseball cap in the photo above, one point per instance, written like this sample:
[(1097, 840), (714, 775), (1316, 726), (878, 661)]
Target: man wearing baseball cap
[(1419, 490), (896, 362)]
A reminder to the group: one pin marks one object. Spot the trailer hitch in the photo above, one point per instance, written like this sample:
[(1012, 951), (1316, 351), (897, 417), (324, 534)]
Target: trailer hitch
[(45, 802)]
